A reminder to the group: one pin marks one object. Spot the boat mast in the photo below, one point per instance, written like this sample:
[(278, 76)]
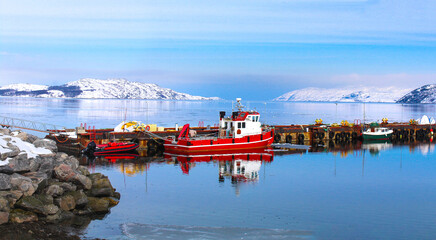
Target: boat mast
[(364, 114)]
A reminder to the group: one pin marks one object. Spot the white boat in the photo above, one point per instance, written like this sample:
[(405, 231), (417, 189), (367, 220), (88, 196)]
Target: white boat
[(377, 133)]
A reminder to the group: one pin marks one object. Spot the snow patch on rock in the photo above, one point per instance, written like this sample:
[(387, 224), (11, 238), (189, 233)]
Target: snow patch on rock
[(29, 148)]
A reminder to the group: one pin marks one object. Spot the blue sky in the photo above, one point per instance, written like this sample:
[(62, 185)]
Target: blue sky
[(255, 49)]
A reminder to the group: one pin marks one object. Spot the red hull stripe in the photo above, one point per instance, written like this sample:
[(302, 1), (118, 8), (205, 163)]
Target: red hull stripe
[(104, 151), (216, 146)]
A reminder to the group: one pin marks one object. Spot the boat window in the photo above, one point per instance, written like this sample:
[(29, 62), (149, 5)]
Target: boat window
[(243, 125), (257, 118), (239, 125), (231, 124), (226, 125)]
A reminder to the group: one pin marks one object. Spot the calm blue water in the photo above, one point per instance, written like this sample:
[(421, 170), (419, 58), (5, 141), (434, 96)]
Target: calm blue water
[(374, 191), (104, 113)]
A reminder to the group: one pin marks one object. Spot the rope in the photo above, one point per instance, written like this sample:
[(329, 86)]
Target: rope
[(66, 139), (152, 135)]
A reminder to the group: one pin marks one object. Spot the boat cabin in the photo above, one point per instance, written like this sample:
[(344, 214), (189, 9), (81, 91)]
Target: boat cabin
[(240, 124), (379, 130)]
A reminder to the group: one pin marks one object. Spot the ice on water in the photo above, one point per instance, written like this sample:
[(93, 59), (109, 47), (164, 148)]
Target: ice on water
[(155, 231)]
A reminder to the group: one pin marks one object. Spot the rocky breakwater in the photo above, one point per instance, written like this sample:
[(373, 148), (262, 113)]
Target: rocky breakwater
[(39, 183)]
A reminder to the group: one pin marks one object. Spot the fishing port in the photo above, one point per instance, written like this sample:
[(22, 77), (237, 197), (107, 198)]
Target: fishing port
[(150, 138)]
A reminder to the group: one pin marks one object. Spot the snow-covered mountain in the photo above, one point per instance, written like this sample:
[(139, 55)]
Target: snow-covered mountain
[(25, 87), (424, 94), (349, 94), (98, 88)]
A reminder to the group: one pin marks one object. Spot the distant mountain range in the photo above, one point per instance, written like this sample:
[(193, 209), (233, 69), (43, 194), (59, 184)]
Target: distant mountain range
[(98, 88), (123, 89), (424, 94)]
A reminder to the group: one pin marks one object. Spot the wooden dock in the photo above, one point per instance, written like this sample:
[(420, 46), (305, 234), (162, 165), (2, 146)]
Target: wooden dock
[(310, 134)]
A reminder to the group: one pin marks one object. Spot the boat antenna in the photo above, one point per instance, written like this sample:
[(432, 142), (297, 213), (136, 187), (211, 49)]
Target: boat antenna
[(239, 105)]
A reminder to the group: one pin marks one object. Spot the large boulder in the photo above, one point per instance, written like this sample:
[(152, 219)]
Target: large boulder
[(80, 198), (68, 187), (83, 180), (83, 170), (35, 163), (98, 205), (54, 190), (50, 209), (55, 217), (20, 163), (64, 173), (66, 202), (5, 182), (102, 188), (14, 151), (22, 136), (95, 176), (4, 205), (23, 184), (60, 158), (11, 196), (39, 179), (47, 166), (4, 217), (46, 143), (66, 215), (112, 201), (6, 169), (5, 131), (72, 162), (41, 204), (84, 211), (21, 216), (31, 138)]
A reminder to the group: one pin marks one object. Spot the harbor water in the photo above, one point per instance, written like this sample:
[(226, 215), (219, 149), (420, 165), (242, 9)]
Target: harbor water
[(358, 191)]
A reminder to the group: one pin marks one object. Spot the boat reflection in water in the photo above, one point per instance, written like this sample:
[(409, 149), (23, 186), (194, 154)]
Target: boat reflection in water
[(375, 147), (241, 167), (239, 164)]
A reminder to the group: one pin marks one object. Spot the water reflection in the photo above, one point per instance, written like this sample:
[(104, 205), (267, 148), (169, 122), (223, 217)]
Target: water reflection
[(312, 189), (241, 167)]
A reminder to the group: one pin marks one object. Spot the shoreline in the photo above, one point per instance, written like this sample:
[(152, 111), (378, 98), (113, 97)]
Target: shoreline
[(45, 193)]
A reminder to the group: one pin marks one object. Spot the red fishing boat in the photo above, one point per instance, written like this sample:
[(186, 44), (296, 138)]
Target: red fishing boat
[(242, 130)]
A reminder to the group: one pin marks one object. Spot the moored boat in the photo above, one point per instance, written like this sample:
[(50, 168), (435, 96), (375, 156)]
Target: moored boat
[(242, 130), (108, 148), (377, 133)]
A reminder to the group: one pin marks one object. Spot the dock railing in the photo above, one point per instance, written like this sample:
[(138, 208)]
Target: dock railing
[(10, 122)]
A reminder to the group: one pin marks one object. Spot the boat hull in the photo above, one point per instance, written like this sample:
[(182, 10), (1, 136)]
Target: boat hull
[(220, 144), (258, 154), (374, 137), (116, 149)]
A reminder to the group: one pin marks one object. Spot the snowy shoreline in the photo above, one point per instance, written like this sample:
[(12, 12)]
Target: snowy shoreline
[(39, 183)]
